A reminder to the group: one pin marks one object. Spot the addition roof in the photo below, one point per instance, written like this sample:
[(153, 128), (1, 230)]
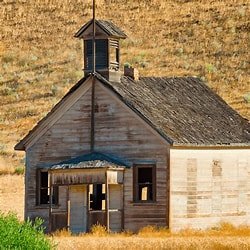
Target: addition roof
[(107, 26), (183, 110)]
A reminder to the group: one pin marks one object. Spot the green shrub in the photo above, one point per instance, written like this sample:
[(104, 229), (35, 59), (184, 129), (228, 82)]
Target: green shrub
[(8, 58), (247, 97), (19, 170), (22, 235)]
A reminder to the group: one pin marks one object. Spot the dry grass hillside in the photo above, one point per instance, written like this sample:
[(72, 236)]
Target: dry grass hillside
[(40, 60)]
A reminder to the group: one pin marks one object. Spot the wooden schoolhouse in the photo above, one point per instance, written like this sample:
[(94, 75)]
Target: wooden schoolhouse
[(127, 151)]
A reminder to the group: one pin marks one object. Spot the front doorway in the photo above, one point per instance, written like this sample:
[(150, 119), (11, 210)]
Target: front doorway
[(86, 198), (78, 208), (97, 205)]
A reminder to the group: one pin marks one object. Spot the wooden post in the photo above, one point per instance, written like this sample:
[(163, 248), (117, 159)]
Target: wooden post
[(68, 221), (168, 191), (122, 222), (107, 201), (87, 212), (93, 40), (68, 210), (50, 201), (92, 132)]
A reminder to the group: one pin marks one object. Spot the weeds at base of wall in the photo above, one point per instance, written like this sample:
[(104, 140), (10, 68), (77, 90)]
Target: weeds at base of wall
[(221, 230)]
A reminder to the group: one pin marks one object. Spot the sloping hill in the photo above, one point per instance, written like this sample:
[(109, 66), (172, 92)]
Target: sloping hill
[(40, 59)]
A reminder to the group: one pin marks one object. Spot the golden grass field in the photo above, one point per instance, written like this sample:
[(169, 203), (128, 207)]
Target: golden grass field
[(40, 59), (146, 243), (12, 194)]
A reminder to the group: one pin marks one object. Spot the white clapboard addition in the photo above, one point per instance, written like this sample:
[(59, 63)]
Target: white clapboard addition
[(209, 187)]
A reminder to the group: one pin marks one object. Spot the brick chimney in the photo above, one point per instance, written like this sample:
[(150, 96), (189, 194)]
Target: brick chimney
[(131, 72)]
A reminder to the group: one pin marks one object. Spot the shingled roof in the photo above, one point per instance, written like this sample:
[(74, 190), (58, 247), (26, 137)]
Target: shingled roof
[(110, 28), (183, 109)]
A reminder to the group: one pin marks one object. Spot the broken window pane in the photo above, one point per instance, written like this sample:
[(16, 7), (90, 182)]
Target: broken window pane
[(97, 196), (144, 183), (44, 189)]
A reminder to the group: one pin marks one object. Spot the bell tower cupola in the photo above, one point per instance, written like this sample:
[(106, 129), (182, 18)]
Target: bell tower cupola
[(107, 48)]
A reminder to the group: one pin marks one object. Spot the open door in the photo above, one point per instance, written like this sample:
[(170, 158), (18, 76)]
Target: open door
[(115, 207), (78, 208)]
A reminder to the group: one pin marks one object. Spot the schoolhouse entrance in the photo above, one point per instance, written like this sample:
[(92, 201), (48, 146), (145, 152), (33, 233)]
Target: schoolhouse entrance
[(97, 205), (92, 196)]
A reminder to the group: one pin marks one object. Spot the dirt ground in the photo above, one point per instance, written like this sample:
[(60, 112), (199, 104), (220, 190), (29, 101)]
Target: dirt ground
[(12, 194)]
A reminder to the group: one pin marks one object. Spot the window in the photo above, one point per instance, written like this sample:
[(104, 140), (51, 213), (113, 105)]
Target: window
[(101, 59), (144, 177), (114, 55), (97, 197), (44, 189)]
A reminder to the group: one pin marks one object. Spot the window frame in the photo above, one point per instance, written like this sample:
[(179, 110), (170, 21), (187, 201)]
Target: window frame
[(55, 195), (101, 51), (136, 167)]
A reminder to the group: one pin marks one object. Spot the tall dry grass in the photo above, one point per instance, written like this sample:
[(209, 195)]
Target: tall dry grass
[(12, 194), (224, 236)]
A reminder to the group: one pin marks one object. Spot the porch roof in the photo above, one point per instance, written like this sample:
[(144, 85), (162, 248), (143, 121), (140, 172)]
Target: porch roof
[(87, 165), (92, 160)]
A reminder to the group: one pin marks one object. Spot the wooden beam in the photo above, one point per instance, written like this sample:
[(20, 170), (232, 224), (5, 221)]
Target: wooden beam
[(87, 213), (92, 134), (168, 187), (50, 202), (93, 44), (123, 201), (68, 209), (107, 203)]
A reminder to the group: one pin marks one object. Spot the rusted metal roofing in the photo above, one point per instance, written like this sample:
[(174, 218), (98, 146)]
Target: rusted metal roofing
[(92, 160), (86, 164), (107, 26)]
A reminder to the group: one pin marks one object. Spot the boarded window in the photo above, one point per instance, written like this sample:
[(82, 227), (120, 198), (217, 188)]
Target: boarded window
[(97, 196), (43, 192), (144, 183), (101, 54)]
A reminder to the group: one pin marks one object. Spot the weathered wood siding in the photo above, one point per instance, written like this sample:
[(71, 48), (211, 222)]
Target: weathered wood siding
[(209, 186), (68, 137), (118, 131)]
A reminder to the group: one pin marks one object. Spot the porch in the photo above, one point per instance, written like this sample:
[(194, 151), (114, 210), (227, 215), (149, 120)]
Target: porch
[(92, 192)]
